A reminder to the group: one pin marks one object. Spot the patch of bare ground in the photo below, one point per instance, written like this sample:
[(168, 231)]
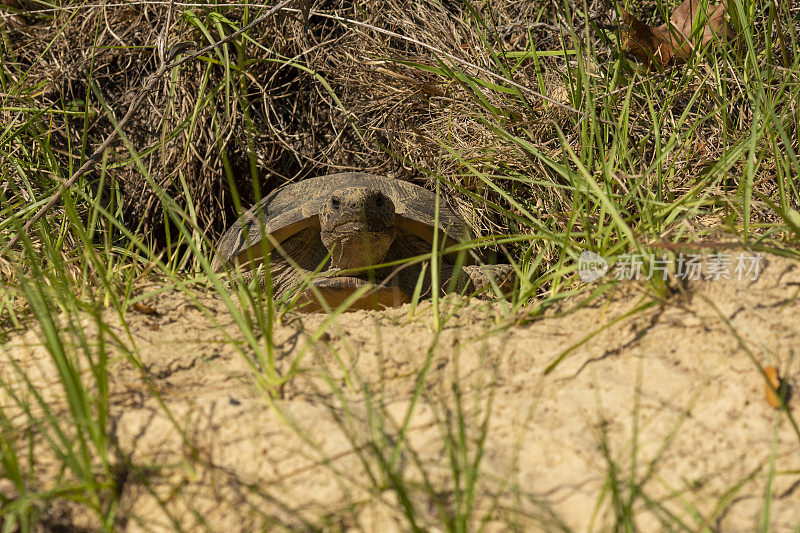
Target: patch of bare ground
[(675, 386)]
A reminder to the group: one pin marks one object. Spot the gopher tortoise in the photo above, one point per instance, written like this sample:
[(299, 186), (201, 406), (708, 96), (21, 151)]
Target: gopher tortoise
[(354, 223)]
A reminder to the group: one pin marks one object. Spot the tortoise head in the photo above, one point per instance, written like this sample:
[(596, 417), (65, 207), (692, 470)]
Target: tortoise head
[(357, 226)]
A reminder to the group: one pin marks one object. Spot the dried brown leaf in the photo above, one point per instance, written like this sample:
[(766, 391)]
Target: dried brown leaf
[(773, 385), (144, 309), (673, 39), (645, 43)]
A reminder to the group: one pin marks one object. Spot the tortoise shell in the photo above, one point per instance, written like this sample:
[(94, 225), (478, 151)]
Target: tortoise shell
[(296, 206)]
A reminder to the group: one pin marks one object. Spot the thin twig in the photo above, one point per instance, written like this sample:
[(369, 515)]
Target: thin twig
[(140, 96)]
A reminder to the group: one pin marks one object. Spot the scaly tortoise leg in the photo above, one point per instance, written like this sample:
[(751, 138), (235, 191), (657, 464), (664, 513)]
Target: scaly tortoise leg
[(478, 278)]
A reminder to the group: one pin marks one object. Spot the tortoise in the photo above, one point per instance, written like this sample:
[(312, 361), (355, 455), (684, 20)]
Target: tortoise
[(346, 227)]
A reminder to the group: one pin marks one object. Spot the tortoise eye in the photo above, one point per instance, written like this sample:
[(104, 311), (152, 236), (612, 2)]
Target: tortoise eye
[(335, 202), (379, 201)]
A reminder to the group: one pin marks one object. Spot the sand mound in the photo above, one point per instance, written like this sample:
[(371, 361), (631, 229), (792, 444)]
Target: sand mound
[(663, 408)]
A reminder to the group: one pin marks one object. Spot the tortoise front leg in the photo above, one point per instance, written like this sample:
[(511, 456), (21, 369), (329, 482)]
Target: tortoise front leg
[(479, 278)]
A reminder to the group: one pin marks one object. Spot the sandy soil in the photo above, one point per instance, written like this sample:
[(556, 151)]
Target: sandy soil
[(668, 399)]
